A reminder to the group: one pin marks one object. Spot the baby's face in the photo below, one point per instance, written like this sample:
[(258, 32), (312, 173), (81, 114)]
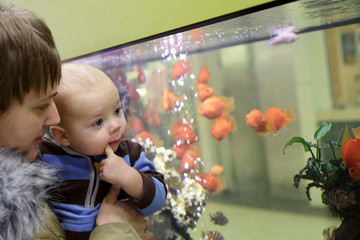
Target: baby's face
[(96, 120)]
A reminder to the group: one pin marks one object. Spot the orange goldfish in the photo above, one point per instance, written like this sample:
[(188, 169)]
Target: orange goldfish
[(216, 106), (141, 76), (216, 170), (134, 95), (190, 159), (179, 70), (209, 182), (155, 118), (203, 91), (277, 118), (350, 152), (256, 120), (135, 125), (222, 127), (146, 113), (181, 130), (180, 149), (273, 120), (204, 75), (169, 99)]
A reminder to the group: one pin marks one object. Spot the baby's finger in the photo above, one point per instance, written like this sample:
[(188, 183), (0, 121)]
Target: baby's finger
[(108, 151)]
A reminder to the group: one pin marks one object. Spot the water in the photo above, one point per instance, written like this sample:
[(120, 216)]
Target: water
[(316, 77)]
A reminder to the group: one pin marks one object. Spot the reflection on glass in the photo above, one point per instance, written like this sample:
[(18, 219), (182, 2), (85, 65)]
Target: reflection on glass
[(219, 103)]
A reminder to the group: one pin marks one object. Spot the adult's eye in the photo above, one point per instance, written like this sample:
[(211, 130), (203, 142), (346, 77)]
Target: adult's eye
[(44, 107)]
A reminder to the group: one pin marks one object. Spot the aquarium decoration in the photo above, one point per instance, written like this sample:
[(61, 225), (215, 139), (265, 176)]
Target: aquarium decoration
[(340, 191), (185, 197)]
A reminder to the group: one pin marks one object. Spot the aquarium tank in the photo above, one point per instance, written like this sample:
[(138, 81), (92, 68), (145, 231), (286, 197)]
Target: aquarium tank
[(244, 115)]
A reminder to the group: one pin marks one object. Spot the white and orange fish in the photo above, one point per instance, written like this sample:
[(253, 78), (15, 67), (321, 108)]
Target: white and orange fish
[(222, 127), (204, 75), (179, 69), (190, 159), (277, 118), (272, 121), (203, 91), (216, 106), (210, 182), (180, 149), (256, 120), (182, 131)]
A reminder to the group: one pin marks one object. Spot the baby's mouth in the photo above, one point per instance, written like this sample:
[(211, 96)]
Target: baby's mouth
[(115, 142)]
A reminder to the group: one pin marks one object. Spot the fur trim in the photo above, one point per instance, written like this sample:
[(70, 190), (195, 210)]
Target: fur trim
[(23, 190)]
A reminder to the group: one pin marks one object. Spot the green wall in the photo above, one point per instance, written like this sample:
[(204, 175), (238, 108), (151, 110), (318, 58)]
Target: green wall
[(84, 26)]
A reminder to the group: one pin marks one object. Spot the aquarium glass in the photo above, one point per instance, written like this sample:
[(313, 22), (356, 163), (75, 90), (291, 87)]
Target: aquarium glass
[(244, 116)]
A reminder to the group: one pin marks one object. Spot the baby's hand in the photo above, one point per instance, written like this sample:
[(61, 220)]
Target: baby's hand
[(113, 168)]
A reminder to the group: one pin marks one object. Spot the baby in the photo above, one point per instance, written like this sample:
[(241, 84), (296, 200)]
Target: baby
[(92, 152)]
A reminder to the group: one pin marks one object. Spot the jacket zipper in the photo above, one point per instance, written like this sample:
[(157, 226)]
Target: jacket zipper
[(93, 184)]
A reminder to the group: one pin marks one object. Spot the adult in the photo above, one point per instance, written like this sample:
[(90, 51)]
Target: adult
[(30, 72)]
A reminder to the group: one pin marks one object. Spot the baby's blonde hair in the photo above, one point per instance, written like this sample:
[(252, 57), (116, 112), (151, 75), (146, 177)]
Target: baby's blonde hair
[(77, 79)]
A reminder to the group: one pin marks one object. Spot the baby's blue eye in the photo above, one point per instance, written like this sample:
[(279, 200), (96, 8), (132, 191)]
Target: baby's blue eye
[(117, 111), (98, 122)]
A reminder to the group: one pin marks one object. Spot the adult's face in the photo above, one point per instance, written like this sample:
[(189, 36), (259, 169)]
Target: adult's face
[(23, 125)]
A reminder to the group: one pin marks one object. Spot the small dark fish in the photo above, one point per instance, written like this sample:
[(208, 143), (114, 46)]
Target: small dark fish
[(212, 235), (329, 233), (219, 218)]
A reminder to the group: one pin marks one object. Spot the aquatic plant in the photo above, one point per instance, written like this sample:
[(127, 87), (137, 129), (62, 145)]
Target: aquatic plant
[(340, 192), (326, 174)]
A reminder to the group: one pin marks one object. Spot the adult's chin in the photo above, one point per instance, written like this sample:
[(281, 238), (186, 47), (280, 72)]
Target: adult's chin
[(31, 155)]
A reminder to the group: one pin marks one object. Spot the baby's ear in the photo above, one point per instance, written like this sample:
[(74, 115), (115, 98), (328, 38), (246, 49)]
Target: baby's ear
[(59, 134)]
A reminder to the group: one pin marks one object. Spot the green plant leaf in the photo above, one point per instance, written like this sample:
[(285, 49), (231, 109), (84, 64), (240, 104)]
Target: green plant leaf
[(297, 179), (314, 169), (325, 198), (327, 167), (343, 166), (338, 143), (297, 140), (323, 128)]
